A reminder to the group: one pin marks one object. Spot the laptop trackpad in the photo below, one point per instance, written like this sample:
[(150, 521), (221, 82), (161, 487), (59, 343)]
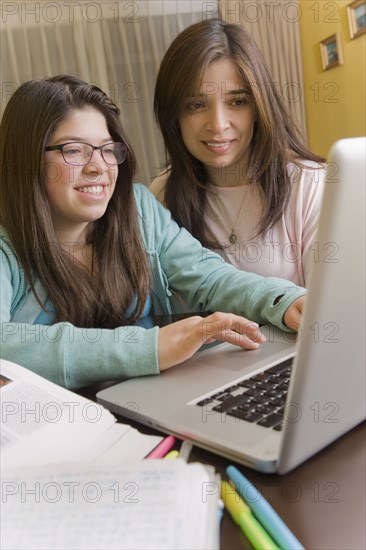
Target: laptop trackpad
[(279, 345)]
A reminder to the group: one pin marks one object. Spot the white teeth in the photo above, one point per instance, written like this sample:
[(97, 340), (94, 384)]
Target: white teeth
[(94, 190), (218, 144)]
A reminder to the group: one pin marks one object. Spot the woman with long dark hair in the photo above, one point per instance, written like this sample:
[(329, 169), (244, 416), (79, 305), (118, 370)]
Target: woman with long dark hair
[(86, 254), (238, 174)]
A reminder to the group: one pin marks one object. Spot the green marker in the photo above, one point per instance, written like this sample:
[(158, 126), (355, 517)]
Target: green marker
[(242, 515)]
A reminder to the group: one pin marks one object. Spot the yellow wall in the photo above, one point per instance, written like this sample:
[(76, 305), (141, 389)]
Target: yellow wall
[(335, 99)]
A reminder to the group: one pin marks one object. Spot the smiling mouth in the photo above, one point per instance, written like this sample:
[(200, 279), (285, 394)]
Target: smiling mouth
[(219, 147), (217, 143), (92, 189)]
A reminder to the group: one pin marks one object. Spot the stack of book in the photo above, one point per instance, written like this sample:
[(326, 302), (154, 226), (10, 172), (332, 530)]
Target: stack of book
[(73, 478)]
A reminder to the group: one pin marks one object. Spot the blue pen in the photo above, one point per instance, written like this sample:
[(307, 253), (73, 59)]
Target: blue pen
[(270, 520)]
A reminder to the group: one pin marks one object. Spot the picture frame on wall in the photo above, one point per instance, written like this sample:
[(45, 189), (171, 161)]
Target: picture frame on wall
[(331, 51), (356, 12)]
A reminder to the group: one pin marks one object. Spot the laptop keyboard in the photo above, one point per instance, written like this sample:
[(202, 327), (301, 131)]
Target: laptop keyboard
[(260, 399)]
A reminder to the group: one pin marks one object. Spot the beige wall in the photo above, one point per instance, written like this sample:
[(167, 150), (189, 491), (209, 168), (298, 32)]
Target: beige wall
[(335, 99)]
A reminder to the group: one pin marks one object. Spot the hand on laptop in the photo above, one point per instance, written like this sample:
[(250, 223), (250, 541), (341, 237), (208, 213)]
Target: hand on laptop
[(179, 341), (292, 317)]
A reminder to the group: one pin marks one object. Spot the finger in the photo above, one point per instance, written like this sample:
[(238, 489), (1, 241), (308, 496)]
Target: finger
[(215, 325), (293, 319), (240, 340), (223, 331), (293, 314), (249, 329)]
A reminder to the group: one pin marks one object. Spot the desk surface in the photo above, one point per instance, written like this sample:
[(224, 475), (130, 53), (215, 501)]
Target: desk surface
[(323, 501)]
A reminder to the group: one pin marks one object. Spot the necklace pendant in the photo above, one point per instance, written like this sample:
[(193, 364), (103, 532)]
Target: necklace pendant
[(233, 238)]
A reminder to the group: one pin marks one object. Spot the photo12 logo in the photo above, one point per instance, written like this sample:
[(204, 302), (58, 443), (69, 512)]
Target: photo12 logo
[(70, 11)]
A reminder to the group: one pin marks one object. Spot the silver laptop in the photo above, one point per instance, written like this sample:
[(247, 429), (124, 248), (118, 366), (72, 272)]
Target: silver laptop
[(274, 407)]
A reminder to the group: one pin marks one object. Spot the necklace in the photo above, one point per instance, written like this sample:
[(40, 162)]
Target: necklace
[(232, 238)]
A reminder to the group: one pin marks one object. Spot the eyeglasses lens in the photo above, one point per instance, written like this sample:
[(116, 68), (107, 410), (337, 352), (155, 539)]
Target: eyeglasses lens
[(80, 154)]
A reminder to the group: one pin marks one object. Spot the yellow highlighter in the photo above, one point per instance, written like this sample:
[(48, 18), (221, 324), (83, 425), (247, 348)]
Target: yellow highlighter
[(171, 455), (242, 515)]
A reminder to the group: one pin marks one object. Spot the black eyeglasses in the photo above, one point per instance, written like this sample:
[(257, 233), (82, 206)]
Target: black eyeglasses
[(80, 154)]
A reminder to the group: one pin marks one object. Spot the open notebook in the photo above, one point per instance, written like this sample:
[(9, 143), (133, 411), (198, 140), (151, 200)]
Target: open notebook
[(150, 504), (43, 423), (314, 390), (73, 478)]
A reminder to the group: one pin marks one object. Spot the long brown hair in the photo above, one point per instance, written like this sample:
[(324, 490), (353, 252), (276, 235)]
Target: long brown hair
[(276, 141), (118, 294)]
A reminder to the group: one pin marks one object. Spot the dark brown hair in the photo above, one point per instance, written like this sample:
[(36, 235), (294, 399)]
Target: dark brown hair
[(118, 293), (276, 142)]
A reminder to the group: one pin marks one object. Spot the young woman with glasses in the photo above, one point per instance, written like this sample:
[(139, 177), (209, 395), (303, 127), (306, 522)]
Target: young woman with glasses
[(239, 177), (86, 254)]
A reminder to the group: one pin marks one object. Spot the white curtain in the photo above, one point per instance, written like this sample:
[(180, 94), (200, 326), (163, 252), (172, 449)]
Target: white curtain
[(274, 25), (117, 45)]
